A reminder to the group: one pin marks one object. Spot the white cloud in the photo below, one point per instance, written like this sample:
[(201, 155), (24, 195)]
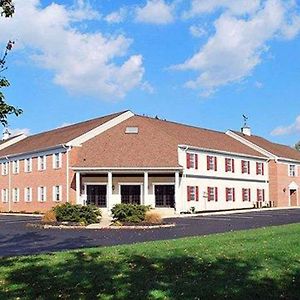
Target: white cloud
[(17, 131), (197, 31), (258, 84), (288, 130), (236, 47), (82, 62), (116, 16), (156, 12)]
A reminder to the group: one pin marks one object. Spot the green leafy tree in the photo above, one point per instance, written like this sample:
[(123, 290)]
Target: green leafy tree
[(297, 146), (7, 9)]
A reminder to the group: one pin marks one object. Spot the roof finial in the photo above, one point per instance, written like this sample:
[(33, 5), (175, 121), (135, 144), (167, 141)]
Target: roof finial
[(245, 120)]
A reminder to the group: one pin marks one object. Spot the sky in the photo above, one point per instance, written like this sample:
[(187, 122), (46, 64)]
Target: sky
[(200, 62)]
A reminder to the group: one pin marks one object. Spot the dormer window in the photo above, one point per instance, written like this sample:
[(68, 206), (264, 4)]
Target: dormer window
[(132, 130)]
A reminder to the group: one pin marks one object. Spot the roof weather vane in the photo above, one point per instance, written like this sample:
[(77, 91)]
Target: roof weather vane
[(245, 120)]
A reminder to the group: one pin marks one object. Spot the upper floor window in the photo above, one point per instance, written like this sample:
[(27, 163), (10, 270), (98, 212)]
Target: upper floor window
[(230, 194), (5, 168), (292, 170), (212, 163), (212, 194), (246, 194), (229, 165), (260, 195), (57, 193), (42, 163), (16, 168), (15, 195), (57, 160), (28, 165), (28, 194), (245, 167), (260, 168), (5, 195), (192, 161), (192, 193), (42, 194)]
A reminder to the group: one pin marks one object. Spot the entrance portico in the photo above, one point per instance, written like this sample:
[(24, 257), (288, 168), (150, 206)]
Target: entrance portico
[(157, 188)]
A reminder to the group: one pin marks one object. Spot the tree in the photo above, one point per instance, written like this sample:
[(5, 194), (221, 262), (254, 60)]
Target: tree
[(297, 146), (7, 10)]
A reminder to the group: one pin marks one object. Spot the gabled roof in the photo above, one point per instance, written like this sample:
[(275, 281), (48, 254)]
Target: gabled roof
[(11, 140), (55, 137), (155, 144), (279, 150)]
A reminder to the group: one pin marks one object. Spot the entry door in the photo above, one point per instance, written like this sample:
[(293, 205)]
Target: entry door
[(293, 197), (131, 194), (96, 195), (165, 196)]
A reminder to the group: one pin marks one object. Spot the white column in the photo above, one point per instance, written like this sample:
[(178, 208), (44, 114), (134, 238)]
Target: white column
[(78, 188), (146, 181), (177, 205), (109, 191)]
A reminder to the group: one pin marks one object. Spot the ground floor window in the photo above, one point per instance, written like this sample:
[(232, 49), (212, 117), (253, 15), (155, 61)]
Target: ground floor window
[(131, 194), (96, 195), (230, 194), (212, 194), (164, 196), (246, 195), (260, 195), (193, 193)]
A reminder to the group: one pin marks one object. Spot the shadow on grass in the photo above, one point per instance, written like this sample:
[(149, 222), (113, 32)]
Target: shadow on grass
[(94, 275)]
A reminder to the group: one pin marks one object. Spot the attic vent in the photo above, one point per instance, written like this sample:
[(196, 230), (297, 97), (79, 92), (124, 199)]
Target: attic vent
[(132, 130)]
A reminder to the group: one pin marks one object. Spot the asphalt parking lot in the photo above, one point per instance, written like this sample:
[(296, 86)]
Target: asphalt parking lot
[(17, 239)]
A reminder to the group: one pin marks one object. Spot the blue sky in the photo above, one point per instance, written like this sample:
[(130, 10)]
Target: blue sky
[(203, 63)]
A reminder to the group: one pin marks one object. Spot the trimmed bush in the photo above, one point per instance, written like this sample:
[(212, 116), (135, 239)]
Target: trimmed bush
[(49, 217), (129, 212), (153, 217), (77, 213)]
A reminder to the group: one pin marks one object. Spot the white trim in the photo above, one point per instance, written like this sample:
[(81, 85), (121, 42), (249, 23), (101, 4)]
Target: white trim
[(40, 159), (100, 129), (78, 187), (39, 194), (163, 183), (16, 163), (25, 194), (4, 194), (96, 183), (54, 156), (136, 169), (16, 195), (12, 141), (132, 183), (54, 193), (28, 162), (154, 184)]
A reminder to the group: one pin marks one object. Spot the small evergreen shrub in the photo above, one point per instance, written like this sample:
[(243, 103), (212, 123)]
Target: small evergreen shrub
[(77, 213), (129, 212)]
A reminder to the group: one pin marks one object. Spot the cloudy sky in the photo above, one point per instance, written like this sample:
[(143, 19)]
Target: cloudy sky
[(201, 62)]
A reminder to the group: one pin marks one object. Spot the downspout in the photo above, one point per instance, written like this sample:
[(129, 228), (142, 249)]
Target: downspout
[(9, 184), (184, 173), (67, 169)]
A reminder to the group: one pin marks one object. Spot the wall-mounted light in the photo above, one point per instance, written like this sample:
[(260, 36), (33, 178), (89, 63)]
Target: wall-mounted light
[(113, 187), (284, 190)]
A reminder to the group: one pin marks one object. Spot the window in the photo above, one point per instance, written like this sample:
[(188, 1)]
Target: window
[(28, 194), (5, 195), (57, 193), (246, 195), (212, 194), (193, 193), (57, 160), (260, 195), (15, 195), (260, 168), (16, 167), (229, 165), (28, 165), (230, 194), (42, 194), (211, 163), (42, 163), (5, 168), (245, 167), (292, 170), (192, 161)]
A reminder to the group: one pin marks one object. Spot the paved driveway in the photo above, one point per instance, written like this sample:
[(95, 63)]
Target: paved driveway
[(17, 239)]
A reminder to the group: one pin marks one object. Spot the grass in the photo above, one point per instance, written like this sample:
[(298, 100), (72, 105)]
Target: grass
[(256, 264)]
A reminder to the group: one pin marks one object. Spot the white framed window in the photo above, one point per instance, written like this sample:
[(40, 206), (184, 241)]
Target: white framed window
[(246, 194), (292, 170), (28, 165), (212, 163), (245, 167), (42, 161), (16, 166), (229, 165), (4, 168), (260, 195), (192, 160), (212, 194), (28, 194), (15, 195), (230, 194), (4, 195), (260, 168), (193, 193), (42, 194), (57, 193), (56, 160)]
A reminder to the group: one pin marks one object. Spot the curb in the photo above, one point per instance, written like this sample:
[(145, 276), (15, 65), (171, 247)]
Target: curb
[(21, 214)]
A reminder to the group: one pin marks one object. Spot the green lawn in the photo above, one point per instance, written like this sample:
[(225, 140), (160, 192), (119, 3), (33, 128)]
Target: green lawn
[(256, 264)]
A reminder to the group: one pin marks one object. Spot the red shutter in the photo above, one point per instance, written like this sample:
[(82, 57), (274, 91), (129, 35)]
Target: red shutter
[(257, 168), (226, 164), (216, 194), (208, 190), (208, 160), (197, 193), (242, 163), (249, 191), (263, 192), (216, 161), (226, 194), (233, 194), (196, 161), (232, 161), (263, 168), (188, 194), (243, 194), (188, 160), (248, 167), (257, 194)]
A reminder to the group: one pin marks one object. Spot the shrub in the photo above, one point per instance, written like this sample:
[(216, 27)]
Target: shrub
[(129, 212), (49, 217), (153, 217), (77, 213)]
